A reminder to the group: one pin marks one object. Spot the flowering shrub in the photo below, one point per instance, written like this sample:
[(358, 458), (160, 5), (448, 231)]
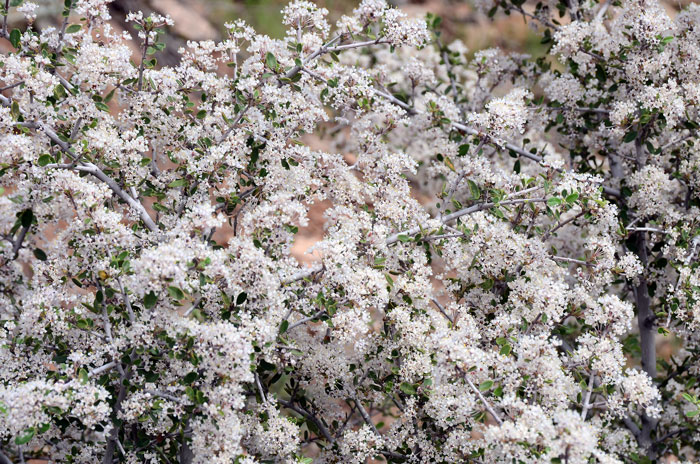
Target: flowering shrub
[(150, 307)]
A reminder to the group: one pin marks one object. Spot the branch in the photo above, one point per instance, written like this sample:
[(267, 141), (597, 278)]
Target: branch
[(164, 395), (471, 131), (564, 259), (587, 399), (328, 48), (365, 416), (324, 49), (410, 232), (260, 388), (442, 309), (101, 369), (562, 224), (306, 319), (132, 318), (114, 434), (485, 402), (514, 148), (631, 426), (17, 244), (6, 34), (311, 417), (647, 336), (645, 318), (580, 109), (303, 274), (463, 212), (4, 459), (646, 229), (90, 168), (676, 141), (11, 86), (143, 214)]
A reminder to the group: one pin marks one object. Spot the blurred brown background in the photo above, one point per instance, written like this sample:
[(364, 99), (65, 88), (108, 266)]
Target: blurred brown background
[(204, 20)]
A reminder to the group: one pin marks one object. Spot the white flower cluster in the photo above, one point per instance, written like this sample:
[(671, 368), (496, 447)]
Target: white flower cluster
[(497, 247), (504, 117)]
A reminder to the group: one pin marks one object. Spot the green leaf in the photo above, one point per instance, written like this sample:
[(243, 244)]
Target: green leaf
[(201, 114), (39, 254), (403, 238), (150, 299), (389, 280), (44, 160), (190, 378), (177, 183), (407, 388), (73, 28), (571, 199), (26, 218), (692, 413), (83, 376), (474, 189), (109, 96), (14, 110), (284, 326), (554, 201), (59, 92), (630, 136), (175, 293), (486, 385), (15, 38), (241, 298), (271, 61), (101, 106), (26, 437)]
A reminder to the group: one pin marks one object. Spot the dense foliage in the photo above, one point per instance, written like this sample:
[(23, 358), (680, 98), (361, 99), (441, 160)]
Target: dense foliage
[(150, 307)]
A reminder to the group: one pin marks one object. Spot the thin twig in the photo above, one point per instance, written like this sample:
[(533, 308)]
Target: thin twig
[(299, 410), (463, 212), (587, 399), (564, 259), (485, 402), (101, 369), (306, 319), (17, 244), (442, 309)]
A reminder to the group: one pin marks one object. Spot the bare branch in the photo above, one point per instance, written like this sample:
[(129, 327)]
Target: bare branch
[(587, 399), (299, 410), (483, 400), (17, 244)]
